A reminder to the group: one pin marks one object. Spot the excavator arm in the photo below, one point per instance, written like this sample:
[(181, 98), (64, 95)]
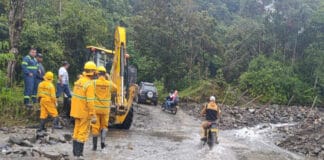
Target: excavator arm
[(125, 94)]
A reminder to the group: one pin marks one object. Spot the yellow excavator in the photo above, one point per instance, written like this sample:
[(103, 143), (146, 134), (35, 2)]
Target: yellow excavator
[(122, 74)]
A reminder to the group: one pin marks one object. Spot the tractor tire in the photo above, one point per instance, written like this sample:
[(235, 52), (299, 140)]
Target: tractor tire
[(128, 121)]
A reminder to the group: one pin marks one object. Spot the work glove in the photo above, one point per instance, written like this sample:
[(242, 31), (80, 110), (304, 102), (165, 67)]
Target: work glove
[(93, 119)]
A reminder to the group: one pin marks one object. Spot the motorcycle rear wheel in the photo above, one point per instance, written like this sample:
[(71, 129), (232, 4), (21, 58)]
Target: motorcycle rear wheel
[(211, 139)]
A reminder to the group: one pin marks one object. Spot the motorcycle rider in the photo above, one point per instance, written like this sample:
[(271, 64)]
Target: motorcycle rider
[(212, 112), (172, 99)]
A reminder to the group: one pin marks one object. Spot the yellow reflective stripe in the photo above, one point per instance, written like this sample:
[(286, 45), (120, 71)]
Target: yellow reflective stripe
[(101, 106), (79, 96), (102, 100), (32, 67), (90, 99), (24, 63), (46, 93)]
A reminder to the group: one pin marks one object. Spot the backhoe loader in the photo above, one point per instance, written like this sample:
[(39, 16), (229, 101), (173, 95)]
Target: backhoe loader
[(122, 74)]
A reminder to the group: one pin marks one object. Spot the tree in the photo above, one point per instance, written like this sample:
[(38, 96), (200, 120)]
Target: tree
[(16, 15)]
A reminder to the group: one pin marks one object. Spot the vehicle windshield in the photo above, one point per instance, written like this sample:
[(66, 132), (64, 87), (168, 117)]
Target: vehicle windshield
[(151, 88)]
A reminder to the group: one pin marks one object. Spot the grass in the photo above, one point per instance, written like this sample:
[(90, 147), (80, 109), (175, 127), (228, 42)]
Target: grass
[(203, 89), (12, 109)]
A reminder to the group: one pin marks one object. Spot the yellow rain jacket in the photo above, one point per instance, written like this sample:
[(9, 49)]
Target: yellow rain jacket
[(82, 108), (103, 89), (82, 103), (46, 92)]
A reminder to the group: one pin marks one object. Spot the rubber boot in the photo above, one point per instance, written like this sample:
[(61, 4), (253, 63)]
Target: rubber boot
[(74, 146), (42, 125), (56, 124), (94, 141), (81, 149), (34, 100), (103, 138)]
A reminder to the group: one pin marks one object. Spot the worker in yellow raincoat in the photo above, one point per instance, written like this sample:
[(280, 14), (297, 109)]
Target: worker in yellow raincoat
[(103, 89), (47, 99), (82, 108)]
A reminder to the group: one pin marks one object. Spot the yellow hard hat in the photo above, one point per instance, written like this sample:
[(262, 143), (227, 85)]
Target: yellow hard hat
[(101, 69), (90, 68), (48, 76), (90, 65)]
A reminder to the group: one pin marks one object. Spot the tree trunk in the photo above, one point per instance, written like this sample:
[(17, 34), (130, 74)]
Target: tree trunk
[(16, 14)]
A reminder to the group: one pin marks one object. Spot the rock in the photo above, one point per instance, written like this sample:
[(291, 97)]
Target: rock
[(322, 147), (318, 137), (26, 143), (317, 150), (6, 150), (4, 129), (252, 110), (52, 155), (33, 139), (15, 140), (35, 154), (57, 138), (129, 146), (23, 152), (321, 154), (67, 137)]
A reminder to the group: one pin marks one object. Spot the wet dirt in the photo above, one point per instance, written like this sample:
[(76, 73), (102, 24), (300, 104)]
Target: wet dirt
[(160, 135)]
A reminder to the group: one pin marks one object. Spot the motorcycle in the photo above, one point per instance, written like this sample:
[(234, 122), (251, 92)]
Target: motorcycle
[(172, 108), (212, 137)]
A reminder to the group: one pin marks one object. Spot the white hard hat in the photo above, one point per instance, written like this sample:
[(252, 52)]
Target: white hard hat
[(212, 98)]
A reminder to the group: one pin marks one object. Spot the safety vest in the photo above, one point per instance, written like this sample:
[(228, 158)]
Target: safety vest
[(29, 65), (46, 90), (103, 90), (82, 102)]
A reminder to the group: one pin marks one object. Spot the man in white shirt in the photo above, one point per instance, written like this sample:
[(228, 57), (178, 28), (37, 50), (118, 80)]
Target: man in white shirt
[(63, 81)]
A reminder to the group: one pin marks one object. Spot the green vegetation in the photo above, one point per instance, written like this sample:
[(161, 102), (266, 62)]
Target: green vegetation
[(200, 47), (275, 81)]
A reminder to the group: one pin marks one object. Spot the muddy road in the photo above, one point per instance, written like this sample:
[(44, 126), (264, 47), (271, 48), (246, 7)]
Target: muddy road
[(159, 135)]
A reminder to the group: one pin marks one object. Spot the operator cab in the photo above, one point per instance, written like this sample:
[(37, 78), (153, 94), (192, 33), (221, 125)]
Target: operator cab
[(102, 57)]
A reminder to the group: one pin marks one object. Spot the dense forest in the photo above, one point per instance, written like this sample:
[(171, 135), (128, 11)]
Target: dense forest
[(268, 48)]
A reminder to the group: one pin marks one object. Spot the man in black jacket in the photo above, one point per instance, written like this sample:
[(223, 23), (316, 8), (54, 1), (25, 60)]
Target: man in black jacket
[(40, 72)]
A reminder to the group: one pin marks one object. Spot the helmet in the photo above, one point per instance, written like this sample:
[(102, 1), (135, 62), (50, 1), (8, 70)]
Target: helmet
[(212, 98), (90, 65), (101, 69), (90, 68), (48, 76)]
